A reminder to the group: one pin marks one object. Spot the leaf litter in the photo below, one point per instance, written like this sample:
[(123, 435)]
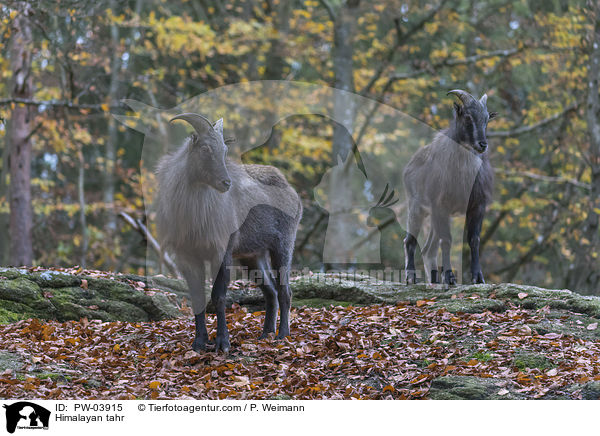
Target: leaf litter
[(372, 352)]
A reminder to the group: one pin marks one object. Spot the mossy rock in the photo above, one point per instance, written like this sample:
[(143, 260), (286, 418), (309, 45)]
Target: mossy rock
[(54, 279), (454, 387), (10, 360), (524, 360), (158, 307), (67, 310), (318, 302), (359, 290), (281, 397), (12, 273), (591, 391), (55, 376), (567, 323), (20, 290), (112, 289), (468, 305), (123, 311), (11, 311), (168, 284)]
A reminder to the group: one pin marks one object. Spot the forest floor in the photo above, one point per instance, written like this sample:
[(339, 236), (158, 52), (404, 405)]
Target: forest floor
[(479, 344)]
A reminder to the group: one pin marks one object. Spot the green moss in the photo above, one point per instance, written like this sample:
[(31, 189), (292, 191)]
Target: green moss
[(53, 376), (281, 397), (12, 273), (318, 302), (20, 290), (123, 311), (55, 279), (482, 356), (591, 391), (7, 316), (523, 360), (454, 387), (468, 305), (10, 360), (158, 306), (67, 310)]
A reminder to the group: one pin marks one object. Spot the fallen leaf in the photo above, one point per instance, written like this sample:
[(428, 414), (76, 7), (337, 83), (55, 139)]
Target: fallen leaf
[(592, 326), (522, 295)]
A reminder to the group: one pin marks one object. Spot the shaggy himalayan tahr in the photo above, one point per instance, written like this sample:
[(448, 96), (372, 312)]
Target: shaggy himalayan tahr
[(452, 175), (210, 209)]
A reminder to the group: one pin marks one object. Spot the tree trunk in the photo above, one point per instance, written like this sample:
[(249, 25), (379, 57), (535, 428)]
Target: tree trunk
[(81, 198), (584, 274), (344, 28), (110, 152), (592, 228), (19, 141), (277, 64)]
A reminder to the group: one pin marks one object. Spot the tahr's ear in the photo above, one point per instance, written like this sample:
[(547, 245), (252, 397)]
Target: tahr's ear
[(458, 109), (219, 126), (483, 100), (493, 115)]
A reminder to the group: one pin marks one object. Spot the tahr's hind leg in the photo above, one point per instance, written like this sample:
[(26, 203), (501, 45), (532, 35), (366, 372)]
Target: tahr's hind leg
[(281, 259), (218, 295), (260, 271), (441, 225), (430, 255), (415, 221)]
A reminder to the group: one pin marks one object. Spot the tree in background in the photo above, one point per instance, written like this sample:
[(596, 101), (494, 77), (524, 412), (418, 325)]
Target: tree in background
[(20, 137), (536, 60)]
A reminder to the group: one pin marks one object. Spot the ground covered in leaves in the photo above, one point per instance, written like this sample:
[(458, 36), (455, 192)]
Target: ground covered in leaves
[(401, 351)]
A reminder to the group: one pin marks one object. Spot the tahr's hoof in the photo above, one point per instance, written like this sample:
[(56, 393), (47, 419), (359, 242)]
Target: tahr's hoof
[(477, 278), (411, 277), (282, 335), (222, 343), (434, 277), (266, 335), (199, 344), (449, 278)]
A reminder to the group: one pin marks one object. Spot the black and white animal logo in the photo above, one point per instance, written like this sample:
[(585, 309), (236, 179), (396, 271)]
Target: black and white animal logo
[(25, 414)]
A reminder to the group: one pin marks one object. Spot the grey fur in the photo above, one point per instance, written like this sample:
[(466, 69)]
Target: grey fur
[(452, 175), (210, 209)]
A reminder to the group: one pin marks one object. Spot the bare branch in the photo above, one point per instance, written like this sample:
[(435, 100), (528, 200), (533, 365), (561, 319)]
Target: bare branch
[(401, 38), (525, 129), (329, 9), (59, 103), (544, 178), (140, 227), (478, 57)]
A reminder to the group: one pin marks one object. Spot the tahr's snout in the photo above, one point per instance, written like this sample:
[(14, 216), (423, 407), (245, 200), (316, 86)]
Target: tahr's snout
[(482, 146)]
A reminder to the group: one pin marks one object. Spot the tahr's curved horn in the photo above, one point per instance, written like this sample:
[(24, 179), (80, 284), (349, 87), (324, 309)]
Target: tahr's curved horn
[(198, 122), (464, 96)]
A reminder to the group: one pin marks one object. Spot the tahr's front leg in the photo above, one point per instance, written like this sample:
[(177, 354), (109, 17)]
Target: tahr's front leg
[(196, 285), (474, 221), (218, 297), (201, 338)]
